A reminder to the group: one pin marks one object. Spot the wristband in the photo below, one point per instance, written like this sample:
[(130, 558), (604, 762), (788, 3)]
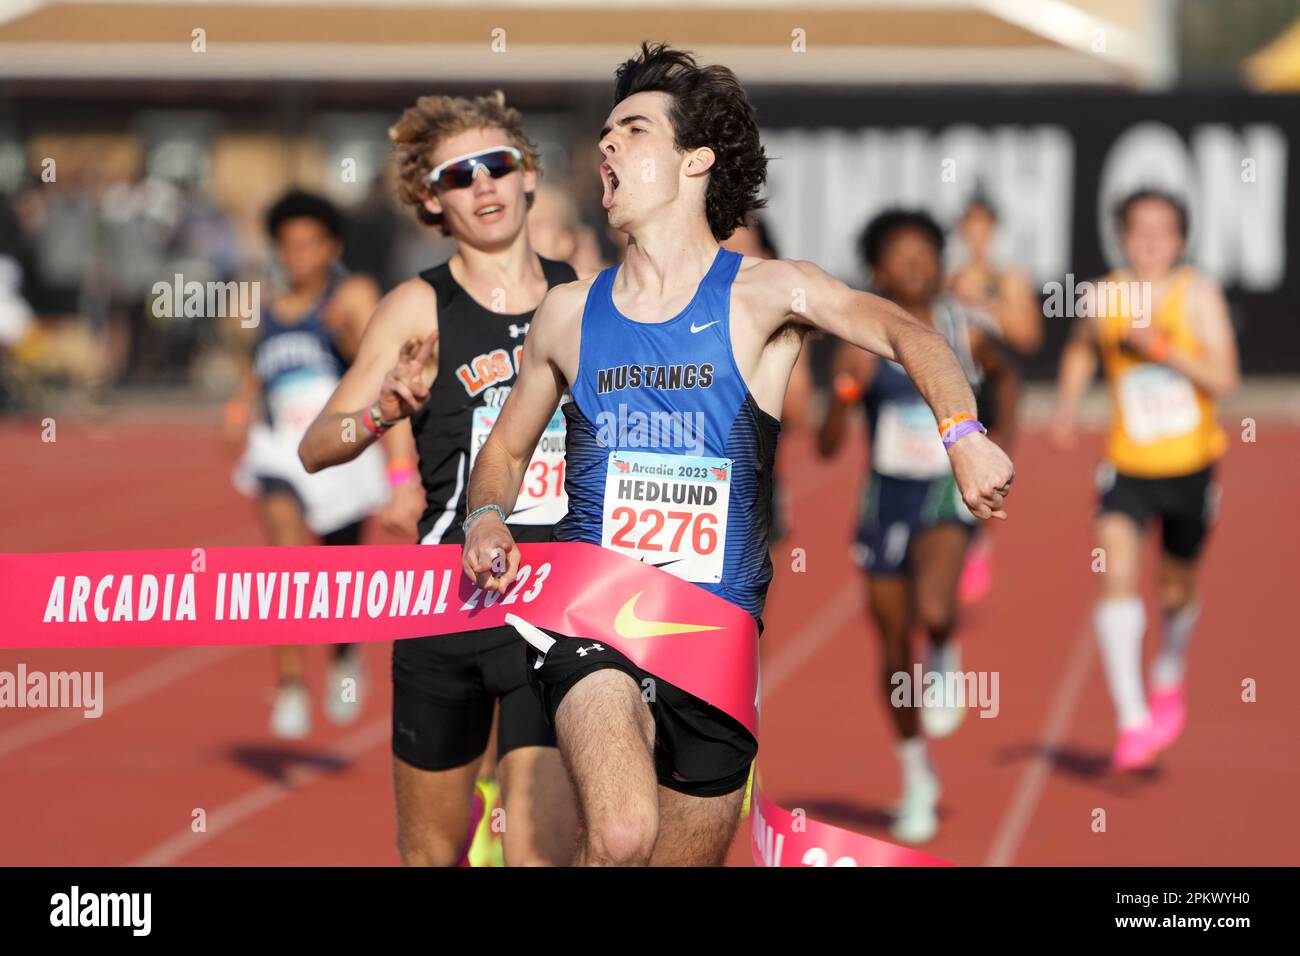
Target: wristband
[(237, 412), (960, 430), (400, 471), (847, 389), (464, 525), (1161, 347), (373, 420), (949, 422)]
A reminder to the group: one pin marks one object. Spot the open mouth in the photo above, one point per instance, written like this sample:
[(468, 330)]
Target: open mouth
[(611, 184), (492, 209)]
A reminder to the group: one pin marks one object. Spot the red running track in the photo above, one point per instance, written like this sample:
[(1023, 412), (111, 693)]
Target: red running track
[(185, 730)]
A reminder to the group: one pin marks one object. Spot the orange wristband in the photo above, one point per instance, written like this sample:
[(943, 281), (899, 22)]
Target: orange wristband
[(949, 422), (847, 389), (236, 412)]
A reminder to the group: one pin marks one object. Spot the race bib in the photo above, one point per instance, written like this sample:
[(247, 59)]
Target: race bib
[(295, 402), (542, 499), (668, 510), (906, 442), (1157, 402)]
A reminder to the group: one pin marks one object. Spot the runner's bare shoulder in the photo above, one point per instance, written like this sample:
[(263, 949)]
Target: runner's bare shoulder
[(409, 310), (558, 318), (775, 288)]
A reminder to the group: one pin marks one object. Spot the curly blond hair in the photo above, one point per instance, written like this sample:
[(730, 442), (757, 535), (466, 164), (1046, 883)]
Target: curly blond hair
[(435, 118)]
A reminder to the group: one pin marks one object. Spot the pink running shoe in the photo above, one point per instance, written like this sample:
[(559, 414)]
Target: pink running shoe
[(1168, 714), (1136, 748), (977, 573)]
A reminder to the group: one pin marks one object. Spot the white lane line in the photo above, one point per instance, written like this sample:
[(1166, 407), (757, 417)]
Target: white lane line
[(226, 817), (811, 638), (117, 694), (1024, 801)]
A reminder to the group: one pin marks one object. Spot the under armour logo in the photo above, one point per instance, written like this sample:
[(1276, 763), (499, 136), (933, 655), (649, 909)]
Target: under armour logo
[(582, 651), (518, 330)]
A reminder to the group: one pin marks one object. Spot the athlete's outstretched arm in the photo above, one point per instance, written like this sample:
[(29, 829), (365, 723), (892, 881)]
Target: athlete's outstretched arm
[(983, 471), (1078, 366), (503, 459), (396, 362)]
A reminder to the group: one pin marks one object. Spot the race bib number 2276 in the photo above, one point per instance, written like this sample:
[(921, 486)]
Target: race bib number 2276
[(669, 511)]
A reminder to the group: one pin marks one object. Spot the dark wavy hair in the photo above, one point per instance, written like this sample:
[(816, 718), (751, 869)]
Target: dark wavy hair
[(298, 204), (871, 244), (710, 109)]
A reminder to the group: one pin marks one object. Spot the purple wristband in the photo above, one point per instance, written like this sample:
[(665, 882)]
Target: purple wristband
[(963, 428)]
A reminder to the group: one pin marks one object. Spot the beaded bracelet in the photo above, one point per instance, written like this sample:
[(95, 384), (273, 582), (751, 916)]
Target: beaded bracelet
[(464, 526)]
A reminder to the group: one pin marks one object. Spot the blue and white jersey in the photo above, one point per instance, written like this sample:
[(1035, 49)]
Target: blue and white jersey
[(669, 457), (905, 441), (298, 365)]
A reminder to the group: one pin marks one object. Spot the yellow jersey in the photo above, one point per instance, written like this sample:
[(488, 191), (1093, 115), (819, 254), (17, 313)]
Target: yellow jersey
[(1163, 425)]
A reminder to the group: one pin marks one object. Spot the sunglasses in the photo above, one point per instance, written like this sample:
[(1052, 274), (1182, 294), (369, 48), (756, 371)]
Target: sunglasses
[(460, 172)]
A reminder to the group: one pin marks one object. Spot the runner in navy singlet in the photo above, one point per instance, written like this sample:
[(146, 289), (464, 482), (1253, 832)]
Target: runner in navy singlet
[(306, 337)]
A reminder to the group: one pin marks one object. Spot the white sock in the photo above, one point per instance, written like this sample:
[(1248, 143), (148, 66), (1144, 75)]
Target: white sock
[(1120, 625), (945, 658), (1171, 663), (915, 758)]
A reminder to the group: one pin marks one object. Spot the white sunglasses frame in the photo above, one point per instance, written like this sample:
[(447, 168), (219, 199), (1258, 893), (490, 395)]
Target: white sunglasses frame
[(431, 178)]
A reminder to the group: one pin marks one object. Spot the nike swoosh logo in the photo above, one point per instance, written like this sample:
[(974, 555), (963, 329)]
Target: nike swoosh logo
[(628, 625), (700, 328)]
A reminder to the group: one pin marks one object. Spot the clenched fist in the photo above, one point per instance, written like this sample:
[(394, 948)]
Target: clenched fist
[(984, 474), (489, 556)]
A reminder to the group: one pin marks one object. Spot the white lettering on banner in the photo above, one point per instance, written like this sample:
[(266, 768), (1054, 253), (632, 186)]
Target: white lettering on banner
[(542, 499), (669, 511), (769, 842), (273, 595), (1156, 403)]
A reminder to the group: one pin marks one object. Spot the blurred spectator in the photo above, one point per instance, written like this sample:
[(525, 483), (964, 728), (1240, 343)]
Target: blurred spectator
[(1002, 292)]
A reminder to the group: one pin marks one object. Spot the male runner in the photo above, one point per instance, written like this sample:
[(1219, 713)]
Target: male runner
[(305, 340), (443, 350), (1164, 371), (682, 327), (913, 527)]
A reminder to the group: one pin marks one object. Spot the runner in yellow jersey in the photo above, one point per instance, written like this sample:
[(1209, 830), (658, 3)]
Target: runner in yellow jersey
[(1167, 350)]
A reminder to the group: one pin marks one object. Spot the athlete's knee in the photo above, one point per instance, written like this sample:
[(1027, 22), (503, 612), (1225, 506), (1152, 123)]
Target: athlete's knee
[(1175, 595), (426, 850), (623, 838), (937, 617)]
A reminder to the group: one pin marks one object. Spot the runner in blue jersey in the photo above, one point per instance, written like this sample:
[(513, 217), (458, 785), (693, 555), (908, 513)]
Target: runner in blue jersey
[(305, 340), (679, 357)]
